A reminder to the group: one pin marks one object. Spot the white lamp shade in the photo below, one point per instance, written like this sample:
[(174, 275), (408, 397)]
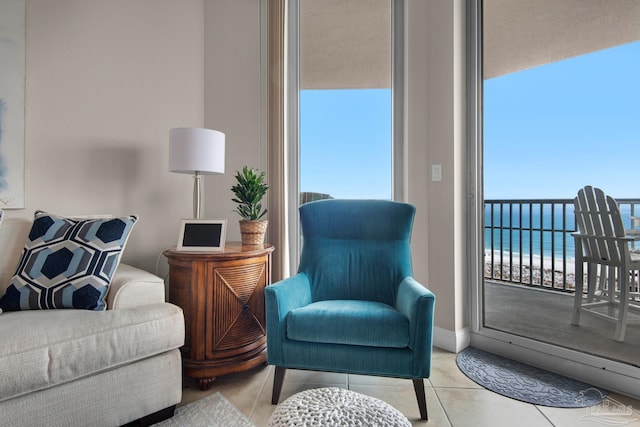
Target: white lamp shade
[(196, 150)]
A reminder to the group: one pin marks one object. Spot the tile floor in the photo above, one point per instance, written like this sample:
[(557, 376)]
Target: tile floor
[(452, 399)]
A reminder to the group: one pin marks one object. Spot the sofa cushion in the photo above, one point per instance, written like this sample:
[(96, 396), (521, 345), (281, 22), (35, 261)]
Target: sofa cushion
[(67, 263), (44, 348), (353, 322)]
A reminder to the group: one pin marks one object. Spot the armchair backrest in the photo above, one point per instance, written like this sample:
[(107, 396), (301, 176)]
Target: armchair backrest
[(601, 237), (356, 249)]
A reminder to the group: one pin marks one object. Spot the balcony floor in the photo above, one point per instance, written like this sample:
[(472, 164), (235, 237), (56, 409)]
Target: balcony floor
[(546, 316)]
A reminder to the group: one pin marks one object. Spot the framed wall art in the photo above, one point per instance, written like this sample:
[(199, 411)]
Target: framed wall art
[(12, 93)]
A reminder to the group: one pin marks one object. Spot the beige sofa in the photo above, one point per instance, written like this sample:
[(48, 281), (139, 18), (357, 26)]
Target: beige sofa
[(86, 368)]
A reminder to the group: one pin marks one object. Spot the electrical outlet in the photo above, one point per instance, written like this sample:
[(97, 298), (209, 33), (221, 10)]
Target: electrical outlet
[(436, 173)]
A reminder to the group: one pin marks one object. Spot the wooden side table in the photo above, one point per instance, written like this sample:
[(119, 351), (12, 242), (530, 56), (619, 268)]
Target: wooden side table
[(222, 296)]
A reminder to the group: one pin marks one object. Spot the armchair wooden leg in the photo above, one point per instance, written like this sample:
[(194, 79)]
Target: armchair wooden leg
[(278, 379), (418, 386)]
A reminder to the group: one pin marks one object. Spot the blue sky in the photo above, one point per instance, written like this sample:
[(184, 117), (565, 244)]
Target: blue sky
[(548, 131), (345, 147), (552, 129)]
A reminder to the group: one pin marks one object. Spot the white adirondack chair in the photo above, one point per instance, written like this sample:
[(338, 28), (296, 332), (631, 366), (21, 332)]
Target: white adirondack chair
[(601, 241)]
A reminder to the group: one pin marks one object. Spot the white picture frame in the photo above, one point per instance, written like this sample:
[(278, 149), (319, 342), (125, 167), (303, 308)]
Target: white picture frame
[(202, 235)]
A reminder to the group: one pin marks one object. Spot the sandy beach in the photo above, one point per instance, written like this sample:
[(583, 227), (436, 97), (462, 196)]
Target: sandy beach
[(536, 270)]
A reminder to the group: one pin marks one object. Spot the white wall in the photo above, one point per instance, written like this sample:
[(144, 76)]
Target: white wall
[(435, 135), (106, 80), (233, 97)]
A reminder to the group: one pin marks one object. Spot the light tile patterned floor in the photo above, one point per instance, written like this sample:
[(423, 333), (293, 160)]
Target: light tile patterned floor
[(452, 399)]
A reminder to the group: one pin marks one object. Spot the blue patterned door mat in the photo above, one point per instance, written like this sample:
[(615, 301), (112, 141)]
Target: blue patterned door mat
[(526, 383)]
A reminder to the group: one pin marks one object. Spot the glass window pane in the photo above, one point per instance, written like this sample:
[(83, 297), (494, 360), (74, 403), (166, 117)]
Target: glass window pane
[(345, 100)]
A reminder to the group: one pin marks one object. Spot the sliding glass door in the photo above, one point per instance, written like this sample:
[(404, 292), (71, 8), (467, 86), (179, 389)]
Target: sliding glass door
[(554, 107)]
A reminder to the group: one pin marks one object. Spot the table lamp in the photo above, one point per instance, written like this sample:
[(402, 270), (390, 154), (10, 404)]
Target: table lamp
[(199, 152)]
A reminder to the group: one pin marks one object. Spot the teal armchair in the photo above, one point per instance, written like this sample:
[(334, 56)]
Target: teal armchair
[(353, 306)]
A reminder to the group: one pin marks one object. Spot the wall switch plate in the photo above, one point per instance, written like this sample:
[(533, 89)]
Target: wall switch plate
[(436, 173)]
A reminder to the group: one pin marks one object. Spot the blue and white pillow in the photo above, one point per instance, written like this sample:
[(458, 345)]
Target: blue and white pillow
[(67, 263)]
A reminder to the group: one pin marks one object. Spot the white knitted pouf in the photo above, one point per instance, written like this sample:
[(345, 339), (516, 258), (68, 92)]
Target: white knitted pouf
[(333, 406)]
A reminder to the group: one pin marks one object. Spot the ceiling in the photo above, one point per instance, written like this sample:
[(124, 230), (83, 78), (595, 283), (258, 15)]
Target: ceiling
[(520, 34), (347, 44)]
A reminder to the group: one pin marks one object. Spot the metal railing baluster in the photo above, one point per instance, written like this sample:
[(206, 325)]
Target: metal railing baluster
[(536, 234)]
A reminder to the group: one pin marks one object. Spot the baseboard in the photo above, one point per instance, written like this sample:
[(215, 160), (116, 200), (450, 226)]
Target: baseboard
[(452, 341)]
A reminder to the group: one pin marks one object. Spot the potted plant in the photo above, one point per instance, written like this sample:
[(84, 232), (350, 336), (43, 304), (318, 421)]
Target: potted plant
[(249, 189)]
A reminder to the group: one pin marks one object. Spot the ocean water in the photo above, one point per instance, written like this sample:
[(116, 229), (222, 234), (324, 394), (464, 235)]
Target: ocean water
[(540, 231)]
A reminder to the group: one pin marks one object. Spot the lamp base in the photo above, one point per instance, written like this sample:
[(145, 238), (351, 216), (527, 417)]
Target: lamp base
[(197, 194)]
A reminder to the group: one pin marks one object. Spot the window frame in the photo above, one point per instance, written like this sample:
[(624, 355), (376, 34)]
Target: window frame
[(292, 115)]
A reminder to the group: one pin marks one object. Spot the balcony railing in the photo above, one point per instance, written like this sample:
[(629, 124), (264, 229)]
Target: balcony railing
[(529, 241)]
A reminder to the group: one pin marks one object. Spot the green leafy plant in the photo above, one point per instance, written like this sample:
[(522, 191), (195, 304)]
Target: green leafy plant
[(248, 191)]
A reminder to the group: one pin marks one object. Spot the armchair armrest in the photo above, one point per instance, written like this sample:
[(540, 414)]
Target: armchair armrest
[(280, 299), (417, 303), (133, 287)]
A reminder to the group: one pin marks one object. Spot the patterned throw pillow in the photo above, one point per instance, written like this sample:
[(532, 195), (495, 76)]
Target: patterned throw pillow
[(67, 263)]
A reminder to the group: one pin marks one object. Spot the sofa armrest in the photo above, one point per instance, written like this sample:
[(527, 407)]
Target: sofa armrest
[(417, 303), (280, 299), (133, 287)]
